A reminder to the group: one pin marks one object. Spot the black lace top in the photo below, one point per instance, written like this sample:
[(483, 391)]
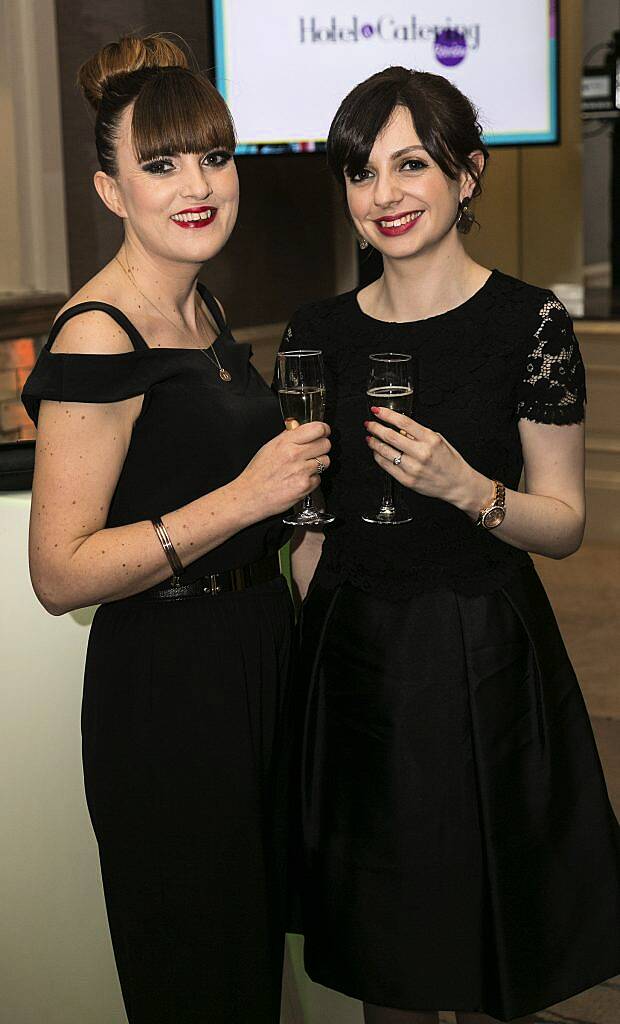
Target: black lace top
[(507, 353)]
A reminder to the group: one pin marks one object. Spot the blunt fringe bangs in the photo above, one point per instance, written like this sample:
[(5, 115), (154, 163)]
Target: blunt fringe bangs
[(178, 111), (445, 120)]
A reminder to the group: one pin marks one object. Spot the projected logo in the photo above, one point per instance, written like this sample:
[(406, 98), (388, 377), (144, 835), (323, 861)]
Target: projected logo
[(450, 43), (450, 47)]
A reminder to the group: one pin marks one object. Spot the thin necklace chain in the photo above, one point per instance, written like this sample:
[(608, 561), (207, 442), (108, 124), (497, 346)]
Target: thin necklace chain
[(207, 351)]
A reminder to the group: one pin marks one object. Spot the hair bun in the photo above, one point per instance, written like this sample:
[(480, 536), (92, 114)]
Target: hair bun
[(129, 53)]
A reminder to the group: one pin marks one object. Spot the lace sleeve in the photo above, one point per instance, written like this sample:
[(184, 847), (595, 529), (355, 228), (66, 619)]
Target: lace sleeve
[(553, 388)]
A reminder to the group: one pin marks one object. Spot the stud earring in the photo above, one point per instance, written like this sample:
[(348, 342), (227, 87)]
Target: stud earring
[(363, 244)]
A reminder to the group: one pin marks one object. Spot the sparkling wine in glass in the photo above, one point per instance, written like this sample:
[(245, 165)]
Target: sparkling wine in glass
[(301, 390), (390, 385)]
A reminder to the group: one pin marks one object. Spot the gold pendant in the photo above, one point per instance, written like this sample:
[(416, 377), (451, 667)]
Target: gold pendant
[(224, 374)]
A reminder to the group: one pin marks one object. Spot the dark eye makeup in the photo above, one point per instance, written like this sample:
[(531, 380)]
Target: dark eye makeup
[(159, 166), (411, 164), (217, 157), (162, 164), (359, 176)]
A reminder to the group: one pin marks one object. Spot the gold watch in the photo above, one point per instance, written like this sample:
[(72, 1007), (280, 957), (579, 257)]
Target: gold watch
[(493, 514)]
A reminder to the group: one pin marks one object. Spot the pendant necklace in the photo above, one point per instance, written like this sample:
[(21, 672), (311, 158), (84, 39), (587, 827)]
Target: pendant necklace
[(208, 350)]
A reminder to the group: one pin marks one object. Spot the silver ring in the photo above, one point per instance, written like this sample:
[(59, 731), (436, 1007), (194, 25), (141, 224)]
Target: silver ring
[(320, 465), (396, 460)]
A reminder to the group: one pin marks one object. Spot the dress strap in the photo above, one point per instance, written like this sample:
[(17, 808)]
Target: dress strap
[(132, 332), (211, 304)]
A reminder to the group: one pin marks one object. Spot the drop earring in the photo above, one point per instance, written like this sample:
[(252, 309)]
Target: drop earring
[(465, 217)]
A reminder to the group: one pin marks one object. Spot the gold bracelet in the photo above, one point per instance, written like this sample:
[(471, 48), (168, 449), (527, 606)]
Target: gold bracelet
[(169, 549)]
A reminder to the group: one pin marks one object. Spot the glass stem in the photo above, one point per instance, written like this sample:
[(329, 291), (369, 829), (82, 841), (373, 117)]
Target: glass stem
[(387, 503), (307, 505)]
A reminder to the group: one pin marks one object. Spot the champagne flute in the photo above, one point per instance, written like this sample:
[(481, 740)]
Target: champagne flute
[(301, 390), (390, 385)]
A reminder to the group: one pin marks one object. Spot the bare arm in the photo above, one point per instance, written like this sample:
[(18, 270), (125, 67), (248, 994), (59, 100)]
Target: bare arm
[(549, 518), (306, 549), (75, 560)]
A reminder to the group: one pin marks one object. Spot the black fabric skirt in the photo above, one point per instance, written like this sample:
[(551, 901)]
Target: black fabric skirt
[(183, 732), (460, 852)]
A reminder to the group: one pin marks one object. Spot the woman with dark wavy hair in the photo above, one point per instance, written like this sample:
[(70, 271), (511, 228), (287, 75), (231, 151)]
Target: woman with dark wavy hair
[(459, 849)]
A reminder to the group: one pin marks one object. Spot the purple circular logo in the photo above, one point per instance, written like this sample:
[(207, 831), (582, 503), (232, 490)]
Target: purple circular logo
[(450, 47), (367, 31)]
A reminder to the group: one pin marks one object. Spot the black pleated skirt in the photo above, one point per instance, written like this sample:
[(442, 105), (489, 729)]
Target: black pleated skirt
[(460, 852), (183, 732)]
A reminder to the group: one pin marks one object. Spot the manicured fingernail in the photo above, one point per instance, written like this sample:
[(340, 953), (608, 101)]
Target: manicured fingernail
[(375, 409), (368, 439), (366, 424)]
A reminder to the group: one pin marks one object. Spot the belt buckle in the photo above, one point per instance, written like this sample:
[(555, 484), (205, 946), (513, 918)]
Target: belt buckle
[(214, 587)]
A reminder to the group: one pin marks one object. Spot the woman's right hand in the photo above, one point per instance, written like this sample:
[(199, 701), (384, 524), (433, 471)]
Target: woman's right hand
[(285, 469)]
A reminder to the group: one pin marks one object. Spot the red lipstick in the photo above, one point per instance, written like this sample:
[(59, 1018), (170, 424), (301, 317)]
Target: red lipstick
[(390, 229), (196, 217)]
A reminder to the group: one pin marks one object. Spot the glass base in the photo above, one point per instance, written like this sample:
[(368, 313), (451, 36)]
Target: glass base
[(389, 516), (308, 517)]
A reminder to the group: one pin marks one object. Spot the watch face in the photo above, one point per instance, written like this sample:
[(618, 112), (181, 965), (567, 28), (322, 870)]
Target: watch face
[(493, 517)]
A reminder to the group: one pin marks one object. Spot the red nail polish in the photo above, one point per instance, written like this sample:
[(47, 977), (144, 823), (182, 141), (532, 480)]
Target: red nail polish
[(366, 424), (375, 409), (368, 439)]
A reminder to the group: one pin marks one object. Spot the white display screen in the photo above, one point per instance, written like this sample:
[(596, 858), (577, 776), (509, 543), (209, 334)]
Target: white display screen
[(285, 65)]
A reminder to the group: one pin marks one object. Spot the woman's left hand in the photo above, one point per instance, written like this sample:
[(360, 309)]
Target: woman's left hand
[(428, 463)]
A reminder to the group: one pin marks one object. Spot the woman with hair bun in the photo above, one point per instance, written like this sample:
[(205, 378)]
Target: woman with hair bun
[(161, 474), (459, 849)]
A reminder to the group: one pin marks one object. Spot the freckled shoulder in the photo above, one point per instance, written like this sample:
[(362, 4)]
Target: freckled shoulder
[(92, 332)]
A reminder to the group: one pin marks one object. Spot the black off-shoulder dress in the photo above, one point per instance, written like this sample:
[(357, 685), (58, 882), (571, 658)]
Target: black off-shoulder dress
[(460, 852), (183, 712)]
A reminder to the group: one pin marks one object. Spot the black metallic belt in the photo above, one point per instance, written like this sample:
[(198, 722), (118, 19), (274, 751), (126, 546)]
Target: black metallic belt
[(229, 580)]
